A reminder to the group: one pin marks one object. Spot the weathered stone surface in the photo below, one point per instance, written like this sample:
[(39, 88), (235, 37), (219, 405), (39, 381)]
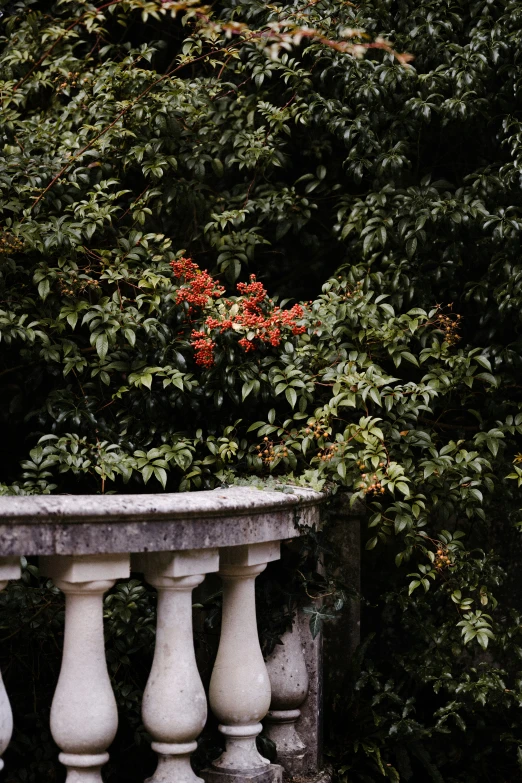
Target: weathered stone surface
[(90, 524), (239, 692), (309, 725), (84, 715), (322, 776), (6, 715), (174, 707), (312, 768), (10, 568), (272, 774), (289, 681)]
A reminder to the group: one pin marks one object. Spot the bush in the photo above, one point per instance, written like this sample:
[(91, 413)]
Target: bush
[(155, 154)]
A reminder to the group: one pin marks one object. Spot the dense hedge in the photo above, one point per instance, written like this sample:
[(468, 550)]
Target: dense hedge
[(155, 156)]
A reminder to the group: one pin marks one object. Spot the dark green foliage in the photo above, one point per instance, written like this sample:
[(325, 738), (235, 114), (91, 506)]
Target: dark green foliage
[(140, 138)]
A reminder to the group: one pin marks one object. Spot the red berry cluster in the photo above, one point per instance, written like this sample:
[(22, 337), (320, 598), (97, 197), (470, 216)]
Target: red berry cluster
[(201, 286), (253, 313), (254, 292), (266, 327), (203, 348)]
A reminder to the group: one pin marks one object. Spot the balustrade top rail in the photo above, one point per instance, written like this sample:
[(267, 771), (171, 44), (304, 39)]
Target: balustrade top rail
[(91, 524)]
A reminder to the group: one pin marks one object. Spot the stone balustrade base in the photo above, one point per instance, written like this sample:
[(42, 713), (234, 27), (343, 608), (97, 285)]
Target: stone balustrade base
[(273, 773), (294, 764), (321, 776)]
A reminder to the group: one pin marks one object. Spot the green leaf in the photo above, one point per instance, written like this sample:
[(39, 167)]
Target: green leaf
[(218, 167), (291, 396), (256, 425), (72, 319), (402, 487), (102, 345), (400, 523), (488, 377), (484, 362), (410, 358), (147, 472), (316, 625), (411, 246), (247, 388), (43, 288), (388, 309), (375, 396), (130, 336), (146, 380), (161, 475)]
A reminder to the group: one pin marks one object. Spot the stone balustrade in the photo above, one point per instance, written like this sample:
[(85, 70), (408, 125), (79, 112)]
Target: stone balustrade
[(86, 543)]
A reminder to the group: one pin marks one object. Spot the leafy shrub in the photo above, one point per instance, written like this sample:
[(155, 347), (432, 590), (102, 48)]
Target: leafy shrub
[(142, 138)]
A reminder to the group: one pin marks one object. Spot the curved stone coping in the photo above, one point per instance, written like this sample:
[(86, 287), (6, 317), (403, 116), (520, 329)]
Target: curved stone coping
[(94, 524)]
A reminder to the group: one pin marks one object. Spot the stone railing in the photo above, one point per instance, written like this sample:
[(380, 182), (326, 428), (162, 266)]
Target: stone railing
[(86, 543)]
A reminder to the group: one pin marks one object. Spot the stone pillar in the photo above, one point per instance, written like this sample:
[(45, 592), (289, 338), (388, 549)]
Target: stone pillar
[(240, 687), (289, 682), (174, 702), (9, 569), (343, 636), (310, 722), (84, 716)]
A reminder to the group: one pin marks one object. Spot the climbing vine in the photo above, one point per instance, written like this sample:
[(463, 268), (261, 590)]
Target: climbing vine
[(280, 243)]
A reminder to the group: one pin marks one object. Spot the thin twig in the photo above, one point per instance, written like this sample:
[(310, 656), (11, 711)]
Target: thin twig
[(12, 369)]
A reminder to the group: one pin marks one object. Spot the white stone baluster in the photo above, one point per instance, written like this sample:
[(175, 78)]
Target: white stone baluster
[(289, 681), (174, 703), (9, 569), (84, 716), (240, 688)]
